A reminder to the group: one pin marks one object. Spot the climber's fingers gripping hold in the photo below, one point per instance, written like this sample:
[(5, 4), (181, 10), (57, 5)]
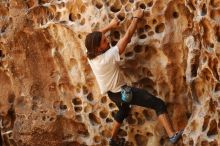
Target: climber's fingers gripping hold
[(115, 23), (139, 13)]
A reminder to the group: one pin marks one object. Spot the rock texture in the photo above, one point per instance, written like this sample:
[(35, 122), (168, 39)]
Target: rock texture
[(49, 95)]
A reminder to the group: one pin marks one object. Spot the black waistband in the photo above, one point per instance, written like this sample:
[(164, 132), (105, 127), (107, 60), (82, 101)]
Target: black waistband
[(110, 92)]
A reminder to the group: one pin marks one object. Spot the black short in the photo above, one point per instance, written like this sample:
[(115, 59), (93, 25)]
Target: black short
[(140, 98)]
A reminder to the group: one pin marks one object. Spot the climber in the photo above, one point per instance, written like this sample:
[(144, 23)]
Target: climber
[(104, 59)]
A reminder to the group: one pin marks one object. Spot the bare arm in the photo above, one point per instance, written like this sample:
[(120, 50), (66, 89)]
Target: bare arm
[(105, 29), (113, 24), (123, 42)]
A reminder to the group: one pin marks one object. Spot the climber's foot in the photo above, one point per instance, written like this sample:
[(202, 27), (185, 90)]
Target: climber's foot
[(176, 136)]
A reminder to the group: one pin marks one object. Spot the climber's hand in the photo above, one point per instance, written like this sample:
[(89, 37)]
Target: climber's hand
[(139, 13), (114, 23)]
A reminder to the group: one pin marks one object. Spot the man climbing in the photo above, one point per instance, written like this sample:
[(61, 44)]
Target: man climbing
[(104, 59)]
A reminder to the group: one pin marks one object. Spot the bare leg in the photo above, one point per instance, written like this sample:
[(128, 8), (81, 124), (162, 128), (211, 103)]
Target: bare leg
[(115, 129), (165, 121)]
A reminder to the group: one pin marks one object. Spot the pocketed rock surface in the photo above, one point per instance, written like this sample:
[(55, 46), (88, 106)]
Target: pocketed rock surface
[(48, 92)]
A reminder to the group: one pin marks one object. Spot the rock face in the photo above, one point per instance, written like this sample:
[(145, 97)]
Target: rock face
[(49, 95)]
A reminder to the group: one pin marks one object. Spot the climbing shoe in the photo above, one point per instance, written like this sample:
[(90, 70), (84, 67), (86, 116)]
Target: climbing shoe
[(114, 143), (176, 137)]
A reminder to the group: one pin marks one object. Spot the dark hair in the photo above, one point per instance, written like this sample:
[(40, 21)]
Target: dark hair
[(92, 42)]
